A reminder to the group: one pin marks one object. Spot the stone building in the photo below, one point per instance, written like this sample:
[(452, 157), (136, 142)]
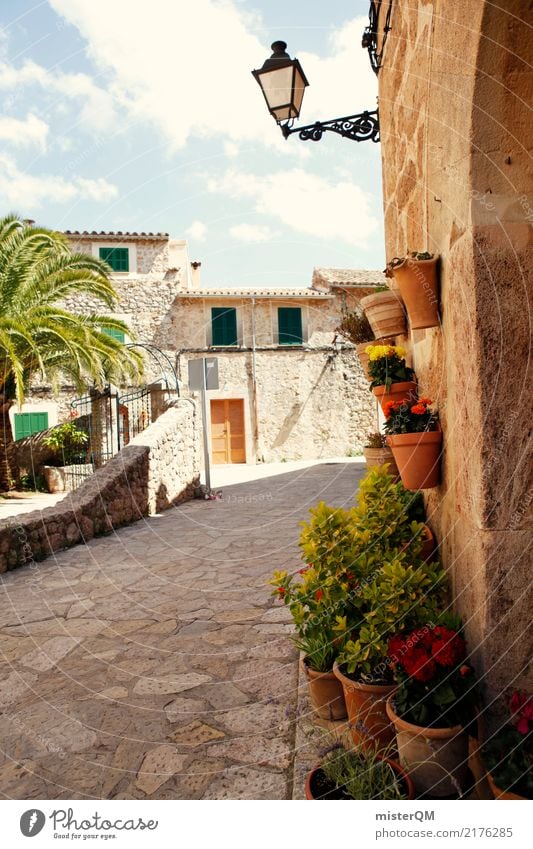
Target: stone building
[(289, 387), (454, 103)]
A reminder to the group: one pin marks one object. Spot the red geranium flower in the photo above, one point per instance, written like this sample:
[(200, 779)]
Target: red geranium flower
[(419, 665), (318, 595), (281, 591), (448, 647), (523, 726), (396, 647), (419, 409)]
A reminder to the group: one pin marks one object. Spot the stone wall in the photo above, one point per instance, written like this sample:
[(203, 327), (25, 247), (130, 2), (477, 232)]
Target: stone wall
[(159, 468), (310, 402), (453, 114)]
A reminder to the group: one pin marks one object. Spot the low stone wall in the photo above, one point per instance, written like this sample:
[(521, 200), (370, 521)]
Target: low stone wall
[(159, 468)]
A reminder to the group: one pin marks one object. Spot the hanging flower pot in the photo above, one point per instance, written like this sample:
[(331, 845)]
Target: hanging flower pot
[(416, 275), (436, 758), (365, 705), (378, 453), (325, 691), (417, 456), (406, 389), (414, 434), (385, 314)]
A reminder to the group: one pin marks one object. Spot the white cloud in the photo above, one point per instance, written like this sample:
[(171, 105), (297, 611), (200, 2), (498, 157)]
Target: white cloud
[(26, 192), (97, 111), (252, 233), (24, 133), (197, 231), (305, 202), (187, 72)]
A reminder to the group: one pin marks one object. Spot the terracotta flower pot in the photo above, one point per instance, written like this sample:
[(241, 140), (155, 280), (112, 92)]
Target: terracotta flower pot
[(397, 392), (428, 545), (366, 707), (326, 693), (363, 358), (417, 281), (427, 551), (417, 457), (398, 769), (385, 314), (436, 758), (380, 456), (503, 794)]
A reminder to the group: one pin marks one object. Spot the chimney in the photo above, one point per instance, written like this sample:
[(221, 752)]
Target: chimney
[(195, 275)]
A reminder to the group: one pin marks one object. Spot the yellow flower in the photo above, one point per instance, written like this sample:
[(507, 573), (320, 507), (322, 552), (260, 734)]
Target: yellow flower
[(379, 352)]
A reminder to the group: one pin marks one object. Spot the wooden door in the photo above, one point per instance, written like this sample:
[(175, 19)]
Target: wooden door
[(227, 431)]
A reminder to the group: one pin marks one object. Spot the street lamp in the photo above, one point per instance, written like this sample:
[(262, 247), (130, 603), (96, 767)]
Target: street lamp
[(283, 84)]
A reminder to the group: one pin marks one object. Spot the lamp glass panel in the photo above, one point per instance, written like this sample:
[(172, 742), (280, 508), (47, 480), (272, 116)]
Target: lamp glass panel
[(277, 88), (299, 88)]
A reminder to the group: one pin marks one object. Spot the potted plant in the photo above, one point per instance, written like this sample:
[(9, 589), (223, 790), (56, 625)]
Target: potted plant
[(358, 774), (384, 310), (378, 453), (414, 434), (432, 707), (355, 327), (508, 753), (392, 379), (67, 442), (396, 594), (316, 600), (416, 276)]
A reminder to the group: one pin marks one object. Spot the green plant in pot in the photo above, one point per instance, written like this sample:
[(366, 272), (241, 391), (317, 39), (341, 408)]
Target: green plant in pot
[(508, 752), (398, 594), (378, 453), (391, 378), (315, 599), (433, 705), (358, 774)]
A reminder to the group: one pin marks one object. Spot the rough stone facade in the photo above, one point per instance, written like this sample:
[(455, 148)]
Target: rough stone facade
[(300, 402), (306, 402), (157, 469), (456, 153)]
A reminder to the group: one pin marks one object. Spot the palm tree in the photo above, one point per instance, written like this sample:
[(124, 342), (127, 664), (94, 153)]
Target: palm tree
[(39, 338)]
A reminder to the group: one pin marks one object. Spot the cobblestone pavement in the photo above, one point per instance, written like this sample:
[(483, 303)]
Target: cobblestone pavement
[(153, 663)]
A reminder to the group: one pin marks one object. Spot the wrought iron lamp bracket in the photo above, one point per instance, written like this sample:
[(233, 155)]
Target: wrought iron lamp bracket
[(364, 126)]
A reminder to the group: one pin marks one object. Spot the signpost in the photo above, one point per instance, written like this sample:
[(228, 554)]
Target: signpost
[(203, 376)]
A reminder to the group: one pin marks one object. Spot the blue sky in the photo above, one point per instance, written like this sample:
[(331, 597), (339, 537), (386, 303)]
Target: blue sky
[(113, 119)]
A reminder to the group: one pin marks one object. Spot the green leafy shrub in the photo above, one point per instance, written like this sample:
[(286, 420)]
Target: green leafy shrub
[(67, 442)]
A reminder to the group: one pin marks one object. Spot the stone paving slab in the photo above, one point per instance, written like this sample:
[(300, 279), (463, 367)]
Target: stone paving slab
[(153, 663)]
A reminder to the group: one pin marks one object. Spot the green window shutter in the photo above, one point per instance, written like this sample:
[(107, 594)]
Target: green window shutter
[(224, 326), (119, 335), (290, 326), (27, 424), (117, 258)]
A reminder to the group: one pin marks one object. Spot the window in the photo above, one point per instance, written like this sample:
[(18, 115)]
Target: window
[(223, 326), (290, 326), (119, 335), (26, 424), (117, 258)]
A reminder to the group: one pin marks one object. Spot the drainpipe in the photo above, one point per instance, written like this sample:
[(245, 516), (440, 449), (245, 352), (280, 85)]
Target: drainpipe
[(254, 386)]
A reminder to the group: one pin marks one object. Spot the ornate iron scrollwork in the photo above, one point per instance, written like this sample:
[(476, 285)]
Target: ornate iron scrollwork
[(361, 127)]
